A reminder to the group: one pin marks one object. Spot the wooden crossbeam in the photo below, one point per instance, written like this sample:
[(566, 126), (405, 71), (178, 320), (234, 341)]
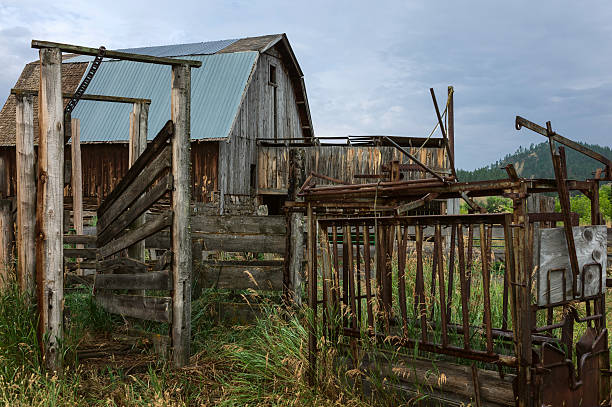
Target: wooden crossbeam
[(125, 56), (96, 98)]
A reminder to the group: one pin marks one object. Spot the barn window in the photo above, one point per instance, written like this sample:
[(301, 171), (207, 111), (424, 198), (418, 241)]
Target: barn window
[(272, 78)]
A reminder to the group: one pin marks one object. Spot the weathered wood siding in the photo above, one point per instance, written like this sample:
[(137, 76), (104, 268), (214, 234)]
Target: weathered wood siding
[(340, 163), (255, 119), (104, 164)]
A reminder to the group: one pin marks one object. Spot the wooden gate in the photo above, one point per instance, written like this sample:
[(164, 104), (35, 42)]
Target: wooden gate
[(150, 179)]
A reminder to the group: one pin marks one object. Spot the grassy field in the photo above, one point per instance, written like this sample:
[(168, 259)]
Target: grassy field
[(264, 363)]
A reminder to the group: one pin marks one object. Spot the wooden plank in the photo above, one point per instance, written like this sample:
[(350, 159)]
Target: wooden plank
[(136, 235), (50, 211), (125, 56), (81, 253), (155, 280), (77, 177), (242, 276), (159, 142), (26, 195), (227, 243), (137, 145), (180, 227), (158, 165), (137, 209), (234, 224), (87, 96), (6, 240), (121, 265), (135, 306), (79, 239)]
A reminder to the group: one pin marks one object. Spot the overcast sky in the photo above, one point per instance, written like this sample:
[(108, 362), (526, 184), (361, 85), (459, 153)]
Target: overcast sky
[(368, 65)]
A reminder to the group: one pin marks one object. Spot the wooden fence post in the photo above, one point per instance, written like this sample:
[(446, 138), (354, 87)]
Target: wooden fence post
[(77, 177), (181, 225), (138, 143), (294, 261), (26, 195), (6, 239), (50, 211)]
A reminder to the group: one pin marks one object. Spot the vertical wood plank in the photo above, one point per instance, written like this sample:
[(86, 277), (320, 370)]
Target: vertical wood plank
[(50, 211), (26, 195), (368, 275), (439, 255), (76, 177), (181, 224), (312, 295), (420, 282), (486, 287), (465, 312), (137, 144), (6, 240)]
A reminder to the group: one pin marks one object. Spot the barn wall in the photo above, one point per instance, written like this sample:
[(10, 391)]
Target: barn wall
[(255, 119), (105, 164), (340, 163)]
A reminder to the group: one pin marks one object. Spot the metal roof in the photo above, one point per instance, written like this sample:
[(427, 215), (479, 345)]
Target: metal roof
[(196, 48), (216, 92)]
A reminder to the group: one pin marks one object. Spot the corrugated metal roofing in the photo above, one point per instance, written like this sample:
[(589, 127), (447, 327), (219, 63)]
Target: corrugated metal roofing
[(216, 92), (196, 48)]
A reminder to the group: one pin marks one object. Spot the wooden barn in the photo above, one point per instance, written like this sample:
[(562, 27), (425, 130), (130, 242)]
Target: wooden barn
[(248, 106)]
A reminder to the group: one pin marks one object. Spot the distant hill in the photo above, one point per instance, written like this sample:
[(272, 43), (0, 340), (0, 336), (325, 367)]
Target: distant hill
[(535, 162)]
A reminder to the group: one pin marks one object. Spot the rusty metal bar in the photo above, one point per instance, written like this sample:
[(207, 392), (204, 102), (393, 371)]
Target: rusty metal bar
[(451, 271), (368, 277), (485, 288), (348, 242), (465, 312), (442, 286), (420, 281), (358, 270), (312, 296), (402, 244)]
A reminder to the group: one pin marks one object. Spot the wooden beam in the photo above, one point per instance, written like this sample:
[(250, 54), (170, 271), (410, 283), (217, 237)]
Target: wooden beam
[(242, 225), (159, 142), (144, 180), (91, 97), (81, 253), (135, 306), (136, 235), (77, 178), (50, 211), (294, 228), (155, 280), (180, 230), (6, 240), (26, 195), (121, 265), (125, 56), (135, 210), (250, 275), (138, 143), (79, 239)]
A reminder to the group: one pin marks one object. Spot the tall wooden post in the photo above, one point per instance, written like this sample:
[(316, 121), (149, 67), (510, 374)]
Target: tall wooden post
[(138, 143), (451, 123), (50, 211), (181, 225), (26, 195), (6, 240), (294, 261)]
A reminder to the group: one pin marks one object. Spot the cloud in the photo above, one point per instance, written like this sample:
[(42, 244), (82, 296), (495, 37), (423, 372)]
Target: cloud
[(368, 67)]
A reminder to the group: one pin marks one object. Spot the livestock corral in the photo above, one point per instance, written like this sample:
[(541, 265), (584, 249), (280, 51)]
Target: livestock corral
[(352, 247)]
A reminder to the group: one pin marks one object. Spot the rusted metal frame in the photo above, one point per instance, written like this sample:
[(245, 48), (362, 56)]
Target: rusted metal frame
[(443, 303), (465, 312), (424, 220), (345, 278), (486, 282), (368, 276), (79, 50), (451, 272), (507, 267), (336, 266), (312, 296), (434, 274), (416, 204), (522, 122), (420, 283), (470, 258), (521, 296), (386, 254), (451, 158), (510, 272), (409, 343), (365, 189), (414, 159), (511, 171), (325, 263), (358, 271), (348, 242), (402, 247), (327, 178), (560, 175)]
